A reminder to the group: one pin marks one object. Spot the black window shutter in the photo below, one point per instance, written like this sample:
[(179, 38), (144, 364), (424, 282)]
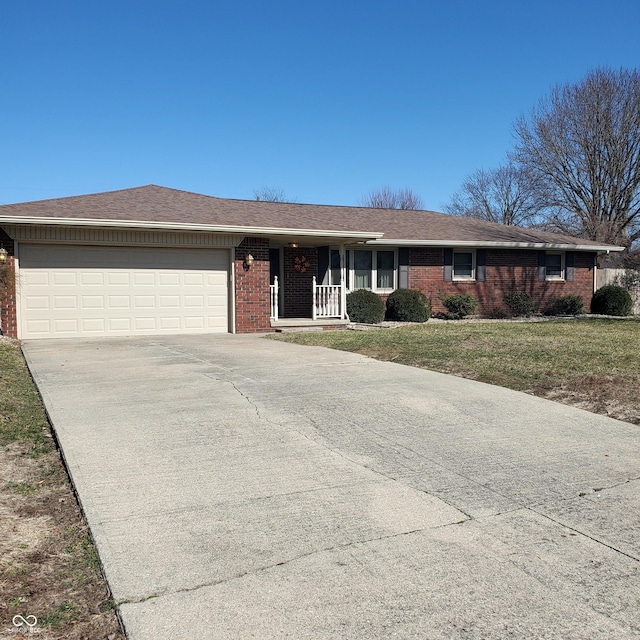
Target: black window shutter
[(403, 268), (323, 265), (542, 265), (448, 265), (570, 263), (481, 265)]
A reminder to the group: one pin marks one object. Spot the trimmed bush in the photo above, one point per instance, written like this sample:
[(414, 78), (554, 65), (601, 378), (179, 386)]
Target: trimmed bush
[(520, 303), (408, 305), (570, 305), (612, 300), (459, 305), (365, 306)]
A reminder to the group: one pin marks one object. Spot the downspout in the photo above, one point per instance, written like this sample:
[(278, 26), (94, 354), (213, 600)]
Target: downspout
[(232, 289)]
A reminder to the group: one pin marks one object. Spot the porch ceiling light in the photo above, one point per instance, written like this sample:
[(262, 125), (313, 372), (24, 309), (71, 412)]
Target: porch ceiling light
[(3, 254), (248, 260), (293, 245)]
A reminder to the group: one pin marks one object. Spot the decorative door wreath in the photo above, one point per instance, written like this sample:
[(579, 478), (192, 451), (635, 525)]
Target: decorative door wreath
[(301, 264)]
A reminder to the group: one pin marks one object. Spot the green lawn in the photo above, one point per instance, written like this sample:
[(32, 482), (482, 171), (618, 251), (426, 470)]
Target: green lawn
[(592, 363)]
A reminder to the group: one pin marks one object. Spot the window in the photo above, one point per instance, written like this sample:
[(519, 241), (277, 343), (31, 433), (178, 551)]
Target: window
[(385, 264), (554, 266), (373, 269), (464, 265), (362, 265)]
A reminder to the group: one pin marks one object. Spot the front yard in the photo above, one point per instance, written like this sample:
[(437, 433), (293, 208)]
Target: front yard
[(48, 565), (589, 363)]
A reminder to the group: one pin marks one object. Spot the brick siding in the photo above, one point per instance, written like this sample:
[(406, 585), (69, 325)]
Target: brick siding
[(507, 270), (253, 303), (8, 315)]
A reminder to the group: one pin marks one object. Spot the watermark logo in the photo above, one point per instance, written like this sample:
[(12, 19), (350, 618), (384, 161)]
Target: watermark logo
[(25, 625)]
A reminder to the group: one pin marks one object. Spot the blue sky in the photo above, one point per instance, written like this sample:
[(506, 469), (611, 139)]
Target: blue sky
[(325, 100)]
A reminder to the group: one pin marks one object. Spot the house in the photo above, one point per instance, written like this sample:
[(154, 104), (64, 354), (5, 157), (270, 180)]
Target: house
[(152, 260)]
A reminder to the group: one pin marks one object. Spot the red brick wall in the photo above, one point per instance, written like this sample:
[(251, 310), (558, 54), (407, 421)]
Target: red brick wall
[(8, 316), (253, 303), (297, 285), (508, 270)]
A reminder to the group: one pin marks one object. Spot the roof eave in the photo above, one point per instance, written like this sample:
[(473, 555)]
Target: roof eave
[(494, 244), (173, 226)]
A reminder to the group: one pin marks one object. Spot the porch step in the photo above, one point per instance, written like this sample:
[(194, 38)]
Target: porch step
[(306, 324)]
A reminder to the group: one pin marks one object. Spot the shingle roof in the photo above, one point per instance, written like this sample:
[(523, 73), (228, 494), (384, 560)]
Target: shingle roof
[(155, 204)]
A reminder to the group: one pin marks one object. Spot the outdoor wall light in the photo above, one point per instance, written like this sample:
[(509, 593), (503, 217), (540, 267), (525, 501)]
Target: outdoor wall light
[(293, 245), (3, 254), (248, 260)]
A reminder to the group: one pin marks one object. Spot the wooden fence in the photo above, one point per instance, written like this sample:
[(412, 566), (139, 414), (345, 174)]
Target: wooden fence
[(615, 276)]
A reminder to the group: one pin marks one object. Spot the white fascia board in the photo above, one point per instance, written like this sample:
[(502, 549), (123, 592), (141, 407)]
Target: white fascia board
[(498, 245), (174, 226)]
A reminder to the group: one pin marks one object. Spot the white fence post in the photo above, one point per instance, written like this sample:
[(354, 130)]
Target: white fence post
[(314, 311), (274, 298)]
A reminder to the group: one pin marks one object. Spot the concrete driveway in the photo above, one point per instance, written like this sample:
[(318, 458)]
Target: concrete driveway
[(239, 487)]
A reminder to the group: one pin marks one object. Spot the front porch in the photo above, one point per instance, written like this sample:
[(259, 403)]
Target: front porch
[(282, 284), (328, 308)]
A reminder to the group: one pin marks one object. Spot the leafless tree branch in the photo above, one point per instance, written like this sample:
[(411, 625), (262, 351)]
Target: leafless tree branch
[(506, 195), (387, 198), (582, 146)]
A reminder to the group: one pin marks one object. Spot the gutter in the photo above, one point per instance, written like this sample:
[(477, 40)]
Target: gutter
[(504, 245), (174, 226)]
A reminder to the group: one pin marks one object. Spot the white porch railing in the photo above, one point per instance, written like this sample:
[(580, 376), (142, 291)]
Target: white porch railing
[(274, 298), (326, 300)]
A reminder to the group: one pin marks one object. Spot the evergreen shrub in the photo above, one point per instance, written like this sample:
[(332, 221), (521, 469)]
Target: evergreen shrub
[(408, 305), (520, 303), (365, 306), (612, 300), (570, 305), (459, 305)]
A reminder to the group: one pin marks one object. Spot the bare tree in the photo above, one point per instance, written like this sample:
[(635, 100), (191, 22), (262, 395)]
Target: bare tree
[(270, 194), (582, 145), (387, 198), (506, 195)]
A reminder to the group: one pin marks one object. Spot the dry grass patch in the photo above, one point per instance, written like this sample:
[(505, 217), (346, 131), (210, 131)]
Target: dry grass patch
[(48, 564), (590, 363)]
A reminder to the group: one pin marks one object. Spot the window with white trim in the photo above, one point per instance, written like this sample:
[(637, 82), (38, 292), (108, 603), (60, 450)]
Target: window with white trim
[(554, 265), (385, 269), (362, 269), (464, 265), (373, 269)]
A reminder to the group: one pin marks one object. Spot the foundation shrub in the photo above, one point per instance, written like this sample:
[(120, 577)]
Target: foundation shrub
[(365, 306), (520, 303), (408, 305), (459, 305), (571, 305), (612, 300)]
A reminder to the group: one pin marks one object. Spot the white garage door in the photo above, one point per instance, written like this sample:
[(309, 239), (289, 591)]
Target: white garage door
[(81, 291)]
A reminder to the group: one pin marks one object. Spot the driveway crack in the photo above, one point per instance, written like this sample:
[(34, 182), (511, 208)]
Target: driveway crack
[(584, 534), (241, 393), (275, 565)]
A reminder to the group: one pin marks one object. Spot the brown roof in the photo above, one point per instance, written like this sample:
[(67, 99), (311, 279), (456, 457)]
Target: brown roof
[(153, 204)]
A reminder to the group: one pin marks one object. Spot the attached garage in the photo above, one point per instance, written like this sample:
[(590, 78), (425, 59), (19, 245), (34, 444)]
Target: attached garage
[(68, 290)]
